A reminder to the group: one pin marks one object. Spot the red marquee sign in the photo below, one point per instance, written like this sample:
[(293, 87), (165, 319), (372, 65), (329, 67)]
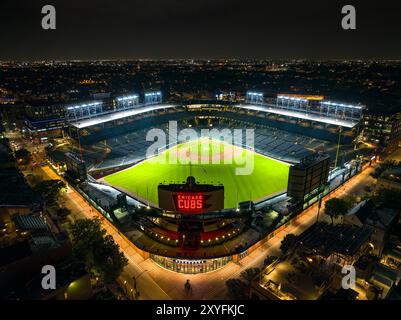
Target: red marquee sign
[(189, 202)]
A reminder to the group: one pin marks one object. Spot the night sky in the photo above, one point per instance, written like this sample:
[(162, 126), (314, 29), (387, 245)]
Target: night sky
[(163, 29)]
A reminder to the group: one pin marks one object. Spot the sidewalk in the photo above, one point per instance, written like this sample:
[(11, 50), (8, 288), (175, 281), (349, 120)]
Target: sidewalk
[(79, 207)]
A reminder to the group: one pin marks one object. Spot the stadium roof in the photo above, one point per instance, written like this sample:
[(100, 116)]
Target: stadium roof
[(293, 114), (301, 115), (118, 115)]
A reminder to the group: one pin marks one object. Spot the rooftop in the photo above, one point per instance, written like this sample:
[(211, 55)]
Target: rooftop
[(369, 214), (15, 190), (327, 239), (30, 222), (288, 281), (17, 251)]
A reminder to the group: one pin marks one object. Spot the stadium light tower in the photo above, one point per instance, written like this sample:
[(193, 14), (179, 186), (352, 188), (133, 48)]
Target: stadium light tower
[(254, 97), (83, 111), (342, 111), (292, 103), (153, 97), (127, 102)]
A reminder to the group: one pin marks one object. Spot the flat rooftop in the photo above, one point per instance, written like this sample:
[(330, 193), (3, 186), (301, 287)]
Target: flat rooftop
[(295, 284), (326, 238)]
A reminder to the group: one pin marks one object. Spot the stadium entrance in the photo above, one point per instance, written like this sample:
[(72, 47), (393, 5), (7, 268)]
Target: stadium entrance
[(190, 266)]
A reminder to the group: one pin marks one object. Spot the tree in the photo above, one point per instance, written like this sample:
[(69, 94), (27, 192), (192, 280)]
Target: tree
[(104, 295), (288, 243), (350, 200), (390, 198), (237, 289), (50, 189), (336, 207), (249, 275), (269, 260), (388, 164), (33, 179), (94, 247), (63, 212), (22, 155)]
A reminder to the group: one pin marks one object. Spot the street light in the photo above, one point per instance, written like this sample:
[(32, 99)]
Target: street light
[(338, 146), (125, 286), (319, 205), (133, 278)]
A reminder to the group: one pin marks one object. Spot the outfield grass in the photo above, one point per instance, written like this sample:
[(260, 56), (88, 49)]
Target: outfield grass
[(268, 176)]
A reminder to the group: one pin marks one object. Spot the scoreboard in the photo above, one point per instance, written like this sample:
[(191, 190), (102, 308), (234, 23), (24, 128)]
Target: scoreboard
[(191, 198)]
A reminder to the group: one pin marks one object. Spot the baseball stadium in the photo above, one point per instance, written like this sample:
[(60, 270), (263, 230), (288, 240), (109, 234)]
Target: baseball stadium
[(210, 161), (195, 185)]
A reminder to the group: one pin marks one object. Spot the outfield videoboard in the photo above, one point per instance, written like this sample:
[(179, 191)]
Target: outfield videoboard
[(191, 198)]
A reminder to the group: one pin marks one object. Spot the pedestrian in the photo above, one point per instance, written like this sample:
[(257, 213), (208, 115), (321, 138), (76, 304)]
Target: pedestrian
[(188, 286)]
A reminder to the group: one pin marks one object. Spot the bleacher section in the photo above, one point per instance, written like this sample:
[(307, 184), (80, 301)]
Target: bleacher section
[(129, 148)]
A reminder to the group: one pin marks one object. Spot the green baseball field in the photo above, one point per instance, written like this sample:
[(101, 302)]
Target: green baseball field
[(246, 175)]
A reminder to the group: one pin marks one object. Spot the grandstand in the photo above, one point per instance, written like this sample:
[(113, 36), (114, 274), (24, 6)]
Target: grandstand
[(117, 138), (129, 148), (289, 130)]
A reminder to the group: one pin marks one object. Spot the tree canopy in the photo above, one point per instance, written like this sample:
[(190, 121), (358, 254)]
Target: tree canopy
[(94, 247), (336, 207), (390, 198), (50, 189), (250, 274), (63, 212), (288, 243), (388, 164), (237, 289), (23, 155), (269, 260)]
